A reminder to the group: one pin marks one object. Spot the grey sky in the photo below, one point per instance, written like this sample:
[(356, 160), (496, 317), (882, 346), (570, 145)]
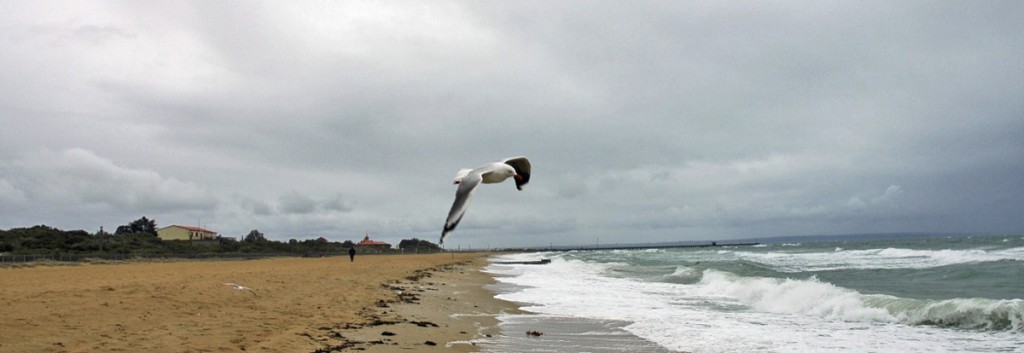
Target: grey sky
[(645, 121)]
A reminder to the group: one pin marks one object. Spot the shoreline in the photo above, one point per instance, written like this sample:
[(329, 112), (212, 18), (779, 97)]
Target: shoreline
[(557, 333), (266, 305), (445, 308)]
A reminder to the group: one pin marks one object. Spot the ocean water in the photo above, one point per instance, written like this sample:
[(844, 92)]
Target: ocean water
[(929, 294)]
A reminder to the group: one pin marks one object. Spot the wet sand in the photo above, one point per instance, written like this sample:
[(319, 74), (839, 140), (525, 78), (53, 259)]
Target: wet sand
[(385, 303)]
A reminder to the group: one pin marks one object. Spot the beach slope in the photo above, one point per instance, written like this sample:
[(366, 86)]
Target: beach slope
[(379, 303)]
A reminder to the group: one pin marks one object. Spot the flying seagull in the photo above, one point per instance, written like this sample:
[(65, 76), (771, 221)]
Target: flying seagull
[(468, 179), (241, 287)]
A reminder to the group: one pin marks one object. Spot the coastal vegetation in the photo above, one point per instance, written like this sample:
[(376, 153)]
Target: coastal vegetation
[(140, 237)]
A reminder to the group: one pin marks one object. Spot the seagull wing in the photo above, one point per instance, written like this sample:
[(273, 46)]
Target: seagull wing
[(462, 196), (522, 167)]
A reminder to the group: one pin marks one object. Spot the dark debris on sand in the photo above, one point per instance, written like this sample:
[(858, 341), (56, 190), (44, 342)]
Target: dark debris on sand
[(403, 294)]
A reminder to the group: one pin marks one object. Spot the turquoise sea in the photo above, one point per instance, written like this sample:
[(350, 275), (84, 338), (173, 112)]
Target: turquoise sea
[(853, 294)]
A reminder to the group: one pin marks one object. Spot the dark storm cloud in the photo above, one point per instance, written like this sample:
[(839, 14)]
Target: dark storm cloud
[(677, 120)]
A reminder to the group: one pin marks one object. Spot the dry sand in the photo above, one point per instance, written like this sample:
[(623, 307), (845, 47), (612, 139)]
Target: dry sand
[(378, 303)]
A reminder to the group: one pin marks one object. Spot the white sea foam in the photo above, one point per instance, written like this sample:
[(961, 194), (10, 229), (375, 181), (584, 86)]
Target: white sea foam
[(969, 313), (684, 274), (811, 297), (723, 312), (805, 297), (888, 258)]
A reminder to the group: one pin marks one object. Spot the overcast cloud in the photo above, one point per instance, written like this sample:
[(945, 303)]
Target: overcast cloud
[(645, 121)]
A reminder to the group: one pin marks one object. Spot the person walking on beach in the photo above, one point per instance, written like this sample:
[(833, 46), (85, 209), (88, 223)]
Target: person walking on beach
[(351, 254)]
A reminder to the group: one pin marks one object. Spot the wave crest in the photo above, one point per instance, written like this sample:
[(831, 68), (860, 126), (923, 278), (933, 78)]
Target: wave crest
[(814, 298), (887, 258), (684, 274), (969, 313)]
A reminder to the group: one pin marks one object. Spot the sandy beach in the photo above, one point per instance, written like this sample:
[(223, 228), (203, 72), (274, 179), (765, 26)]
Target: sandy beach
[(385, 303)]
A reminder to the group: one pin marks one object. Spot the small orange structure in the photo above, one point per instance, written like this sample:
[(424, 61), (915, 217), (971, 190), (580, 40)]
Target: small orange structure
[(367, 243), (368, 246)]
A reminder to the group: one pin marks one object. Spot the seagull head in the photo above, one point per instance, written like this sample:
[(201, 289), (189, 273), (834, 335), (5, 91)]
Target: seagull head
[(510, 172)]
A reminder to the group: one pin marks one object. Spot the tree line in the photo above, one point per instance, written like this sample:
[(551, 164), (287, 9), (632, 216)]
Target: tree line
[(140, 237)]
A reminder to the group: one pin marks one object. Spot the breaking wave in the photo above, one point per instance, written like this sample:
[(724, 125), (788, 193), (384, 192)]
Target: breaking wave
[(814, 298), (888, 258)]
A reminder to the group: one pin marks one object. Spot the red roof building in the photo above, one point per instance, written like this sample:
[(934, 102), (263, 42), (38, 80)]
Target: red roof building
[(367, 242)]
